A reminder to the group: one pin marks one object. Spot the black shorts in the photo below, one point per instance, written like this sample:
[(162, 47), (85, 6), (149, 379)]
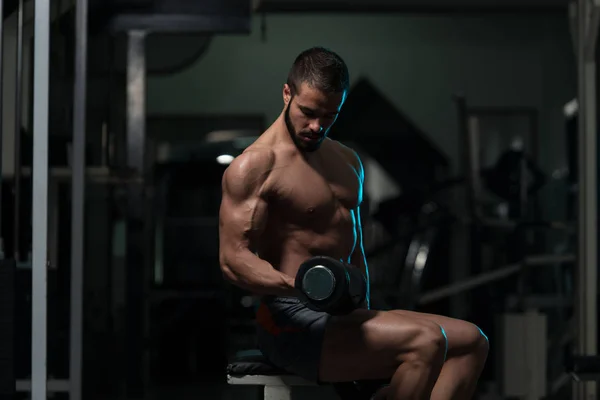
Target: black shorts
[(290, 335)]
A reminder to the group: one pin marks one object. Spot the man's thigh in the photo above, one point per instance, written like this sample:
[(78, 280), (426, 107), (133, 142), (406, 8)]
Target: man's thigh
[(369, 345), (461, 335)]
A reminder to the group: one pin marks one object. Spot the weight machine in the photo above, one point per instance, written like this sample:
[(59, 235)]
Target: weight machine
[(585, 16), (527, 330), (207, 17)]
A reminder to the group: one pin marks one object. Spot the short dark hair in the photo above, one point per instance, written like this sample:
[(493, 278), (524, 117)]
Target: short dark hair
[(320, 68)]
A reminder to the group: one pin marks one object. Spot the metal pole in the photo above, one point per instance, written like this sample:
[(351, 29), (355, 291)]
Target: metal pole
[(136, 226), (18, 122), (587, 261), (492, 276), (78, 199), (40, 200), (1, 115), (8, 269), (466, 249), (468, 284), (136, 100)]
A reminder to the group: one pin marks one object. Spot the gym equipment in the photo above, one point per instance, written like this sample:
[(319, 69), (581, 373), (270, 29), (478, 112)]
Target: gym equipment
[(331, 286), (427, 240), (488, 277), (513, 176), (251, 368), (17, 127), (7, 331), (231, 20), (39, 266), (523, 349), (584, 368), (78, 199), (183, 16), (586, 306), (585, 17)]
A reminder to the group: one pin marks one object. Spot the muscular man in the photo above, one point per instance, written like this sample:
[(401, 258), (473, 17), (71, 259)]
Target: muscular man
[(294, 194)]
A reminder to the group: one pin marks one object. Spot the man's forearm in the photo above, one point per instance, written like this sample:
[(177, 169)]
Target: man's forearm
[(251, 273)]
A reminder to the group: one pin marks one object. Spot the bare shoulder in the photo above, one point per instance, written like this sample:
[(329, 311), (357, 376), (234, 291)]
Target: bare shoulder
[(248, 172), (351, 155)]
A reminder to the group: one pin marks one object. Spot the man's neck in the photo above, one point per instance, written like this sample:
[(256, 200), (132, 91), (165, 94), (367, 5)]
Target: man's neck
[(281, 132)]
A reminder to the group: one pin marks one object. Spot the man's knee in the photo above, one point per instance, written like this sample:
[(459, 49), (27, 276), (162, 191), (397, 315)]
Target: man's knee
[(481, 344), (474, 341), (430, 344)]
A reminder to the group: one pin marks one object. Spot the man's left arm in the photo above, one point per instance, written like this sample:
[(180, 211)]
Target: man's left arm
[(358, 258)]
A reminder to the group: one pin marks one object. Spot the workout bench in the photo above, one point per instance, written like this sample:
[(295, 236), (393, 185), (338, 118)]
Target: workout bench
[(251, 368)]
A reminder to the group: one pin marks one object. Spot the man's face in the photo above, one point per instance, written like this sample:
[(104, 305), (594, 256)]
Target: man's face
[(309, 114)]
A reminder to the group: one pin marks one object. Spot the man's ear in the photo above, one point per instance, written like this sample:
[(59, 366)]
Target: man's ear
[(287, 94)]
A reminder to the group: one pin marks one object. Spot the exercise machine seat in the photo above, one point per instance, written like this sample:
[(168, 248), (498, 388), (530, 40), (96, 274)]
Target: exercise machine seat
[(252, 362)]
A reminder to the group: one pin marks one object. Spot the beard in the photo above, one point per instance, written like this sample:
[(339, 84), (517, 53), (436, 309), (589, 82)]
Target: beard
[(301, 145)]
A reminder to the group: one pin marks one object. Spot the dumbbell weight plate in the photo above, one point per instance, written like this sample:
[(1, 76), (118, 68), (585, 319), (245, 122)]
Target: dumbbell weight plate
[(328, 268), (319, 283)]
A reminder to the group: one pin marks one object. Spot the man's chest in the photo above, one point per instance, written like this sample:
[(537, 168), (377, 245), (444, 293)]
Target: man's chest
[(318, 190)]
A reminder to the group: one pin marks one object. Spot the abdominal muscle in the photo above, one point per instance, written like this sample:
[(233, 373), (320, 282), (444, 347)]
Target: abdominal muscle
[(287, 249)]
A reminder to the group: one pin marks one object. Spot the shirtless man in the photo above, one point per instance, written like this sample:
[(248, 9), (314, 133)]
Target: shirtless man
[(294, 194)]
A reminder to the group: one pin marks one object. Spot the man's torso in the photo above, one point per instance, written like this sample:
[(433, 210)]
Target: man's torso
[(311, 202)]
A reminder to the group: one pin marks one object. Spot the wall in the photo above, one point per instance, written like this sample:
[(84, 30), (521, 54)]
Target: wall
[(418, 62)]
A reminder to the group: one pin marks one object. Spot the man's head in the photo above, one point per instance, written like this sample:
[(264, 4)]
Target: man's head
[(315, 91)]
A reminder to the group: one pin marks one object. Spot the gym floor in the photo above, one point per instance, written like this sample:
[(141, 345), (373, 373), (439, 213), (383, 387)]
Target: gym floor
[(228, 392)]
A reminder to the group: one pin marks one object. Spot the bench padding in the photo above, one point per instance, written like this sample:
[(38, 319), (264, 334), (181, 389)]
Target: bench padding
[(252, 362)]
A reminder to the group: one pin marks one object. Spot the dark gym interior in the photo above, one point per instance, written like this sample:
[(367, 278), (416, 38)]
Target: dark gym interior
[(480, 166)]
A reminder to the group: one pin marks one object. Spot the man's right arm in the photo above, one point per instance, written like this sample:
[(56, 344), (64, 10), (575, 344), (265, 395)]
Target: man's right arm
[(242, 220)]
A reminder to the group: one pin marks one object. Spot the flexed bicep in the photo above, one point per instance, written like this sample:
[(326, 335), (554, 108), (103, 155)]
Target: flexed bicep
[(244, 209), (242, 220)]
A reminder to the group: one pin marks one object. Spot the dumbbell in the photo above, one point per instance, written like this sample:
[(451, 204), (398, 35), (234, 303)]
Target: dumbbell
[(329, 285)]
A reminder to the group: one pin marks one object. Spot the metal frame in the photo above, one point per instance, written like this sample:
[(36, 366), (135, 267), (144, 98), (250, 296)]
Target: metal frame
[(178, 23), (40, 200), (136, 229), (425, 7), (492, 276), (54, 385), (17, 130), (78, 200), (136, 274), (522, 348), (471, 249), (274, 387), (8, 272), (1, 116), (473, 116), (529, 112), (587, 260)]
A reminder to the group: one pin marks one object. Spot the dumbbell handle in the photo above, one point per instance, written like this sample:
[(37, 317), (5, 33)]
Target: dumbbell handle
[(318, 283)]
